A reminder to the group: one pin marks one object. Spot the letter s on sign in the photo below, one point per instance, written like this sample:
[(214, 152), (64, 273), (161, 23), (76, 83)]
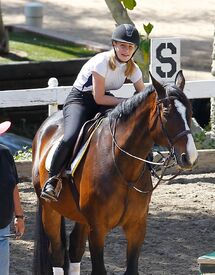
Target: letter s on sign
[(168, 60)]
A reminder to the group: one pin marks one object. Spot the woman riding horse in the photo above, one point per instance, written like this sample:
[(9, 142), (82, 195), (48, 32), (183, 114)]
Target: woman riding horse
[(103, 72), (112, 181)]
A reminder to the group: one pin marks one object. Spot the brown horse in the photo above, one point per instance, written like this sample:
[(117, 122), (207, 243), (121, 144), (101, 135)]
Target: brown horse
[(113, 182)]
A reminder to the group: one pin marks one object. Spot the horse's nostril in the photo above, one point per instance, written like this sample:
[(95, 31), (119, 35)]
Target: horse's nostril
[(184, 158)]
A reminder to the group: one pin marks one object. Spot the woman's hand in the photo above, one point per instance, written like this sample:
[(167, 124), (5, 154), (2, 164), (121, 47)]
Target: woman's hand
[(19, 224)]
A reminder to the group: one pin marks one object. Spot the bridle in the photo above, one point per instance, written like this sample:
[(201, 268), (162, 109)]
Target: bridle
[(166, 161), (171, 141)]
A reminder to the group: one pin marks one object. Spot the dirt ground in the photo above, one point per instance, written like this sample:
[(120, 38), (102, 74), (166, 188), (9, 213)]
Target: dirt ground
[(180, 229)]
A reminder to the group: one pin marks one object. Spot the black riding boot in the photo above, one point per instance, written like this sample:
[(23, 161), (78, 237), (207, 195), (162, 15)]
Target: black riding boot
[(52, 187)]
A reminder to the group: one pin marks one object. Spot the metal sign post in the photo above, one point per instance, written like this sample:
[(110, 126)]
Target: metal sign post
[(165, 58)]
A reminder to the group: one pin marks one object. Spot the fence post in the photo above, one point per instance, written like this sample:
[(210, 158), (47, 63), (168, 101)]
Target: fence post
[(52, 83), (212, 112)]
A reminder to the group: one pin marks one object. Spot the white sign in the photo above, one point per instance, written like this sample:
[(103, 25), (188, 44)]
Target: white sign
[(165, 58)]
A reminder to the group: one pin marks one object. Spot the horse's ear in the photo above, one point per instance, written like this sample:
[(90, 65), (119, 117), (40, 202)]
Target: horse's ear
[(180, 80), (158, 87)]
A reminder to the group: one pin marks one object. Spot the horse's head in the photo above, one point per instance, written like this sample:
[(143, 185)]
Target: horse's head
[(174, 118)]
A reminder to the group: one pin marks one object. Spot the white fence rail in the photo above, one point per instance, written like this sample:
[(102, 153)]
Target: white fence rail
[(55, 95)]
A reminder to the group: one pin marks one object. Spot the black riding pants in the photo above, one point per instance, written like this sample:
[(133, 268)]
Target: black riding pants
[(78, 108)]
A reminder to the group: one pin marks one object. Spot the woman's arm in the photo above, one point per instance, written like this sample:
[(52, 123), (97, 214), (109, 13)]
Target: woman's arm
[(19, 222), (139, 86), (99, 92)]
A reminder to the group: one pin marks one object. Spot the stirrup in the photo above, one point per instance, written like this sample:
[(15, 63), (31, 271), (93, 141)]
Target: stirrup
[(53, 196)]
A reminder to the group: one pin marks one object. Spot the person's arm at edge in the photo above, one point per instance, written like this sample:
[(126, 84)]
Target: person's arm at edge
[(19, 221), (139, 85)]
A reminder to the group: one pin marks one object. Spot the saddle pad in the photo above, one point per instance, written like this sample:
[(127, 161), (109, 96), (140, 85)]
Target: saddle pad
[(80, 155), (82, 151)]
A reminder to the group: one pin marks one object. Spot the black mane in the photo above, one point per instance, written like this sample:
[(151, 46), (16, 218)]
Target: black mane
[(128, 106)]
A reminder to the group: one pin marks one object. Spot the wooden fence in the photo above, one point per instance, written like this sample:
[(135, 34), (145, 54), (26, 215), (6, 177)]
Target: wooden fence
[(55, 95)]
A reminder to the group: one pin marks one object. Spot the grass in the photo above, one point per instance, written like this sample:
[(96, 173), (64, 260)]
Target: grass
[(26, 46), (25, 154)]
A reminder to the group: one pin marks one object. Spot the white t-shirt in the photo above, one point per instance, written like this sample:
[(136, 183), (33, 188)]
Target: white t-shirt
[(113, 79)]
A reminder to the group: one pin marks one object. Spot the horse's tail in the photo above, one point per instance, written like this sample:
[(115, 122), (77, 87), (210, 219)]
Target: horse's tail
[(42, 261)]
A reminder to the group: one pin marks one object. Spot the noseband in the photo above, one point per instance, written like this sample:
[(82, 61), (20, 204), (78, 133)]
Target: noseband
[(166, 161)]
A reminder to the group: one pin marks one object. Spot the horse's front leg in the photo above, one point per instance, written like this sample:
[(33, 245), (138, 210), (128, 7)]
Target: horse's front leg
[(55, 230), (96, 244), (135, 234), (77, 246)]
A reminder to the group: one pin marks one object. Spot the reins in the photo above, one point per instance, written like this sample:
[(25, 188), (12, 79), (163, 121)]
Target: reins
[(166, 161), (126, 152), (165, 164)]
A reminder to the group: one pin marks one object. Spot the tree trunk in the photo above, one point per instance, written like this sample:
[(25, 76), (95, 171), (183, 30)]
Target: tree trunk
[(212, 114), (118, 12), (212, 117), (4, 40)]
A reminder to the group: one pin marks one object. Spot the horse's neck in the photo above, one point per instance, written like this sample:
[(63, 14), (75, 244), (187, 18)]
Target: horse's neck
[(131, 141), (134, 137)]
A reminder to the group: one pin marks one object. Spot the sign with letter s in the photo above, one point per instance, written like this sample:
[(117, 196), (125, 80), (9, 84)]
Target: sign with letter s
[(165, 58)]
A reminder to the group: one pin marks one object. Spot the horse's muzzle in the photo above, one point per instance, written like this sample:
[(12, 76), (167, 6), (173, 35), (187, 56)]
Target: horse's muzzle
[(185, 163)]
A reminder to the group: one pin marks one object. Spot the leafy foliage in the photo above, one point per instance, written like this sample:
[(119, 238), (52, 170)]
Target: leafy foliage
[(145, 49), (129, 4), (25, 154), (202, 142), (148, 28)]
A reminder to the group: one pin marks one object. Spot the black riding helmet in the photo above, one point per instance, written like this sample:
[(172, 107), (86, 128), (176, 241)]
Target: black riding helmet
[(126, 33)]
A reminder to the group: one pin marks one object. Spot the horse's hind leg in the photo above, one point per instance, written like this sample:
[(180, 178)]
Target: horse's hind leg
[(55, 229), (41, 261), (77, 246)]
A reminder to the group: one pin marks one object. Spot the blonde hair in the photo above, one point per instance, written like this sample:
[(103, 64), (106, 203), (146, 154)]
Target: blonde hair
[(130, 65)]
